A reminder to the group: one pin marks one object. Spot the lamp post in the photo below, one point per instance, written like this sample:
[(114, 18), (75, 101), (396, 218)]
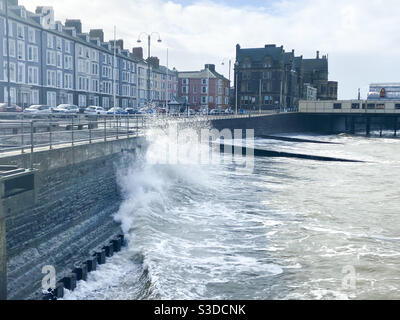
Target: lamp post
[(8, 57), (230, 67), (236, 86), (148, 58), (208, 88)]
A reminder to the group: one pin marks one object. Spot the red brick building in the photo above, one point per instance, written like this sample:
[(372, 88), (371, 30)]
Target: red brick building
[(196, 86)]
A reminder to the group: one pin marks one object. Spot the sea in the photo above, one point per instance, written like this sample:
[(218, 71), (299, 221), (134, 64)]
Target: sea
[(286, 229)]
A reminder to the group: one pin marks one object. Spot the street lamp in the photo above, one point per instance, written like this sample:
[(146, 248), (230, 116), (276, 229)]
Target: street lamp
[(236, 86), (148, 58), (8, 57)]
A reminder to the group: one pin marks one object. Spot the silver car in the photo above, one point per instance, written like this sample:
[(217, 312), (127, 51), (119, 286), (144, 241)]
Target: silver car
[(66, 109)]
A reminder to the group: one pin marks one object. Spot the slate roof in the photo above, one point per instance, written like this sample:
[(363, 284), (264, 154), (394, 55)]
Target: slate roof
[(202, 74), (315, 64), (259, 54)]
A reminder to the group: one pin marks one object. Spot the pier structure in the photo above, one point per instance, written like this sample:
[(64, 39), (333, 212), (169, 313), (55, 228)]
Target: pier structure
[(353, 116)]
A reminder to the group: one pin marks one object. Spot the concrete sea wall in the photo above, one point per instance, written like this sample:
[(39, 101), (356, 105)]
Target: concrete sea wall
[(76, 195)]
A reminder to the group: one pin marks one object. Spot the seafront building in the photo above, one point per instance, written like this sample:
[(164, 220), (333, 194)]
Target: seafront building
[(53, 63), (196, 86), (271, 78), (163, 81)]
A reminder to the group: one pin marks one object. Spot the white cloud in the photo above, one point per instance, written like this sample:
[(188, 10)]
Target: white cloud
[(361, 37)]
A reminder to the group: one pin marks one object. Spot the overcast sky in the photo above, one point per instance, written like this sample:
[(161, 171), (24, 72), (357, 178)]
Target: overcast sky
[(361, 37)]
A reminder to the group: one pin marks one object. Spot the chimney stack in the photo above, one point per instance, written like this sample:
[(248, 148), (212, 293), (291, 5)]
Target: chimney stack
[(73, 23), (210, 67), (97, 33), (317, 54), (137, 52)]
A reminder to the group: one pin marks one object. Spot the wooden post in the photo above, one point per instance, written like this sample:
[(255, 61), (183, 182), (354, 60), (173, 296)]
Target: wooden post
[(368, 126), (353, 125)]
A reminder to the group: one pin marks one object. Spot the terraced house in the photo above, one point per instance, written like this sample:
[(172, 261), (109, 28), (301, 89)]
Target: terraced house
[(196, 87), (52, 63)]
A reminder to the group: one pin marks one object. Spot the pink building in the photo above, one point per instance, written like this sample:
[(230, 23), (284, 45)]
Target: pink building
[(196, 86)]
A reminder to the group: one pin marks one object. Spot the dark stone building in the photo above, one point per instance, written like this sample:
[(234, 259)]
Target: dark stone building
[(270, 78)]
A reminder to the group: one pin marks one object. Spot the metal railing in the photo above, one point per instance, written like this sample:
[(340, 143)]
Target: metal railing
[(30, 133), (22, 133)]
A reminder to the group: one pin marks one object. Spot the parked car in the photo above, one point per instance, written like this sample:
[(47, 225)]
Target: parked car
[(117, 110), (4, 107), (38, 109), (215, 112), (66, 109), (229, 111), (131, 110), (94, 110)]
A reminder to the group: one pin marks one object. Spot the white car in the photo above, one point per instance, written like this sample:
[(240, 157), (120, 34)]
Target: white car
[(66, 109), (38, 109), (94, 110)]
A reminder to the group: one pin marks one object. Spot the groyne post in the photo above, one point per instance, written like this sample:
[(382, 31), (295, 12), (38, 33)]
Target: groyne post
[(368, 126)]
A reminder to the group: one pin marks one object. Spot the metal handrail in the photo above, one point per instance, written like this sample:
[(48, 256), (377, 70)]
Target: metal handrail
[(30, 132)]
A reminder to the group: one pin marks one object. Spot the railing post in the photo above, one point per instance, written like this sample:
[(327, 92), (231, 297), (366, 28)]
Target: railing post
[(127, 126), (72, 130), (50, 133), (137, 126), (32, 145), (105, 128), (22, 135), (117, 126), (90, 131)]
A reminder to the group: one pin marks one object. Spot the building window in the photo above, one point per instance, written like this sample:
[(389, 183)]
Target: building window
[(68, 81), (35, 96), (21, 50), (20, 31), (59, 60), (13, 94), (203, 89), (51, 78), (13, 72), (33, 54), (21, 72), (355, 106), (33, 75), (31, 35), (1, 5), (106, 103), (51, 58), (59, 79), (50, 41), (51, 99), (67, 46), (58, 43), (371, 106), (397, 106), (380, 106), (337, 106), (70, 98), (82, 100)]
